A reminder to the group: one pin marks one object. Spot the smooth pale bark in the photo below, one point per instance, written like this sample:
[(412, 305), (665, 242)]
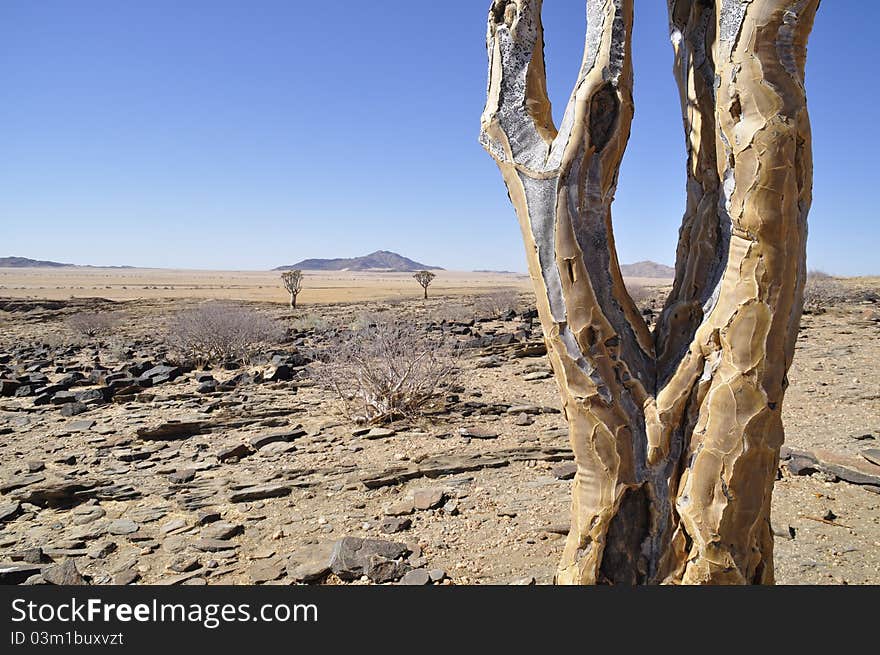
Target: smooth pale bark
[(677, 433)]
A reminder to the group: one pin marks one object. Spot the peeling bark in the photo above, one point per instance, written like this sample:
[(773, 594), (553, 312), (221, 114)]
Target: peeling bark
[(677, 433)]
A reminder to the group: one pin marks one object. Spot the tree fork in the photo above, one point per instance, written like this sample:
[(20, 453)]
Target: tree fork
[(676, 434)]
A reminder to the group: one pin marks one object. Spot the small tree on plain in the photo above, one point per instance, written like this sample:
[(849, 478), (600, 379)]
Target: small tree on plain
[(293, 283), (425, 278)]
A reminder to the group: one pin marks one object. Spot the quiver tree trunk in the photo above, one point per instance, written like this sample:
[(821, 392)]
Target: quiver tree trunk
[(676, 433)]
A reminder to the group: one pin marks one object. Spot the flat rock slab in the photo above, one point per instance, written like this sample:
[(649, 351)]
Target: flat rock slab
[(9, 511), (379, 433), (310, 564), (222, 530), (56, 493), (854, 470), (478, 433), (122, 527), (432, 467), (266, 571), (263, 440), (872, 455), (13, 574), (213, 545), (260, 492), (20, 481), (172, 430)]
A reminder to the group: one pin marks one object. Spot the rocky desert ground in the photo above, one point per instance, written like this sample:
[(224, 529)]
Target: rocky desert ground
[(122, 464)]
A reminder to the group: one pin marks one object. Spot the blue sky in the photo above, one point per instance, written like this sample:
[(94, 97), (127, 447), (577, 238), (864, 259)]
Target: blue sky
[(250, 134)]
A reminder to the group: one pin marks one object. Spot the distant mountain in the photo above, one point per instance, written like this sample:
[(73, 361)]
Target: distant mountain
[(647, 269), (24, 262), (381, 260)]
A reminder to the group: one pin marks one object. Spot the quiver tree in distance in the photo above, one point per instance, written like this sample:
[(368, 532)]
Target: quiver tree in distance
[(293, 283), (424, 278), (676, 433)]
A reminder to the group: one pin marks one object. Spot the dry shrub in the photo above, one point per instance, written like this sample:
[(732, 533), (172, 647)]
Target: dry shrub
[(218, 332), (463, 311), (499, 302), (641, 295), (308, 322), (387, 371), (93, 324)]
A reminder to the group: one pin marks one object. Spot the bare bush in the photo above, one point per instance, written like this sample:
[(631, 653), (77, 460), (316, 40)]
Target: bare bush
[(309, 322), (388, 371), (500, 302), (462, 311), (93, 324), (218, 332), (641, 295)]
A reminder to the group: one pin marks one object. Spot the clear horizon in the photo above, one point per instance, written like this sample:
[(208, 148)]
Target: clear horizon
[(222, 136)]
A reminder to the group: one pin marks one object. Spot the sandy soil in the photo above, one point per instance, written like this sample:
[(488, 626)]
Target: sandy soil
[(493, 525)]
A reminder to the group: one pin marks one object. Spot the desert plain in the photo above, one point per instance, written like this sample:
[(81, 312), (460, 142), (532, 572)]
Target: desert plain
[(120, 464)]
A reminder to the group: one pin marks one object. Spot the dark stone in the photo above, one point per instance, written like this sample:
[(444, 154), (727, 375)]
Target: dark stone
[(94, 396), (29, 555), (265, 439), (8, 387), (352, 557), (207, 516), (74, 409), (238, 451), (9, 511), (64, 574), (182, 477), (24, 391), (222, 530), (126, 577), (381, 569), (280, 373), (163, 371), (14, 574), (213, 545), (801, 466), (172, 430), (62, 397), (565, 471), (393, 524), (122, 527), (260, 492), (416, 577)]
